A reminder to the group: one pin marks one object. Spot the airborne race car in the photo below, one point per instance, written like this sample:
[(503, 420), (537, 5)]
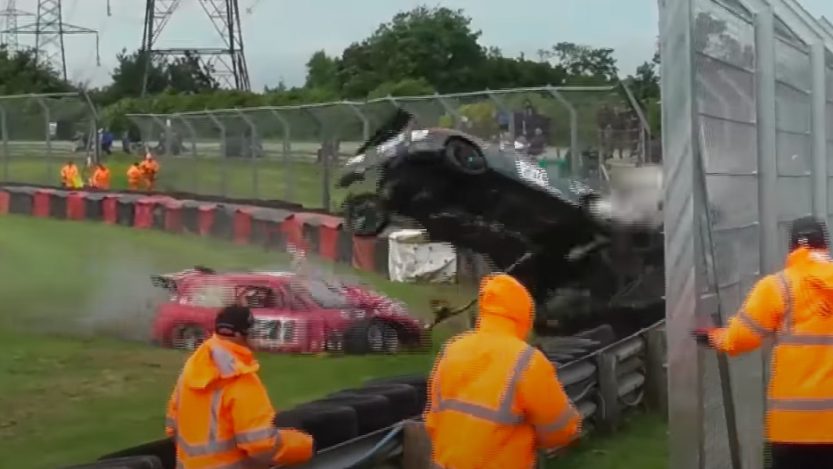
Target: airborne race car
[(581, 252), (293, 313)]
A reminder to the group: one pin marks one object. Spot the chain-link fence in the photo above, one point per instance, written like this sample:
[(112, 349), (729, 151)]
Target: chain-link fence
[(42, 131), (747, 101), (293, 152)]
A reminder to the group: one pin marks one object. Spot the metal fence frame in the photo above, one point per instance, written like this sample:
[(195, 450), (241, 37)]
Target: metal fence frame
[(761, 170), (329, 130), (42, 99)]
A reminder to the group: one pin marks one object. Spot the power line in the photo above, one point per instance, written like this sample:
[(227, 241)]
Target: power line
[(228, 62), (49, 30)]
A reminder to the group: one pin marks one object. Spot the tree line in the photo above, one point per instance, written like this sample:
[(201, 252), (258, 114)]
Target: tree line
[(421, 51)]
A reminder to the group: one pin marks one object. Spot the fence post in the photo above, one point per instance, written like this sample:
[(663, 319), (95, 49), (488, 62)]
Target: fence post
[(5, 136), (608, 392), (501, 105), (95, 122), (455, 114), (656, 386), (645, 133), (253, 153), (194, 174), (575, 158), (325, 158), (365, 123), (47, 120), (287, 149), (223, 157)]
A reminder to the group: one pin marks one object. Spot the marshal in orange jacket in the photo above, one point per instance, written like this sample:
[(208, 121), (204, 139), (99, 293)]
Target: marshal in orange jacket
[(494, 399), (794, 307), (221, 417)]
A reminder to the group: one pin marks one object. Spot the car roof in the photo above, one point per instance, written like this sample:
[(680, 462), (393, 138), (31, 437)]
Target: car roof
[(242, 277)]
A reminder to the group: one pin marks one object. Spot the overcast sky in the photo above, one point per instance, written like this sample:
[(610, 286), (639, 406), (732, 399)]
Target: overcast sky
[(280, 35)]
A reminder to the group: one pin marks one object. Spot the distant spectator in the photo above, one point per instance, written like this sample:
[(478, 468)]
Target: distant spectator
[(106, 139), (125, 142)]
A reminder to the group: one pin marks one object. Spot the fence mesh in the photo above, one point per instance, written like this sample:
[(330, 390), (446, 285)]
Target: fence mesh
[(282, 152)]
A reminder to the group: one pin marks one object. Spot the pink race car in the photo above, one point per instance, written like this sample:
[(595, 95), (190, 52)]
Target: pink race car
[(293, 313)]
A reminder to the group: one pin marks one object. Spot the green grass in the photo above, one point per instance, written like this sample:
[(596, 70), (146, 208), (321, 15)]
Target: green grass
[(237, 178), (73, 389)]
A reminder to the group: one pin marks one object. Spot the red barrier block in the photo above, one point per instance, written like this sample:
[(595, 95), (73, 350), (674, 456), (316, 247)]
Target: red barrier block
[(328, 237), (364, 250), (243, 225), (40, 205), (173, 216), (206, 219), (109, 211), (143, 214), (5, 200), (76, 206)]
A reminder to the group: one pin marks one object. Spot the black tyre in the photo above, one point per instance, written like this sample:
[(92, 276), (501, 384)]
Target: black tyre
[(373, 412), (465, 157), (164, 450), (328, 424), (372, 336), (134, 462), (404, 401), (418, 382), (188, 337), (365, 214)]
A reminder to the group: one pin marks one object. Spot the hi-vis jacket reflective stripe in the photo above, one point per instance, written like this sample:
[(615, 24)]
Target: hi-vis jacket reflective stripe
[(493, 399), (794, 307), (220, 415)]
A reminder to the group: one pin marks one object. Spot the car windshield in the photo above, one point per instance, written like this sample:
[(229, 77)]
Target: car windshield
[(211, 295), (326, 295)]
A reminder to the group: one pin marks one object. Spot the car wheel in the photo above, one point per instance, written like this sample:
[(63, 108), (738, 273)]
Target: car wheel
[(334, 342), (188, 337), (465, 157), (382, 338), (365, 214)]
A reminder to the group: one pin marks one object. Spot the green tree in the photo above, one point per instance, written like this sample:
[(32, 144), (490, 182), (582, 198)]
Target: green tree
[(185, 74), (645, 82), (406, 87), (585, 64), (436, 44), (322, 71), (20, 73)]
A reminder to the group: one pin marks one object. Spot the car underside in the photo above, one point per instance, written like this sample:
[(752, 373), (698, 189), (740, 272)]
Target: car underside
[(582, 269)]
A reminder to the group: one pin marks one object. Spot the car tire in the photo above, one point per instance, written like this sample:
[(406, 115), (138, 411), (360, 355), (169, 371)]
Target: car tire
[(328, 424), (371, 337), (418, 382), (133, 462), (164, 450), (365, 214), (373, 412), (464, 157), (188, 337), (404, 401)]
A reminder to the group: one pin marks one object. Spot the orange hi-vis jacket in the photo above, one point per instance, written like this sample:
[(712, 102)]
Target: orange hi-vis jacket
[(494, 399), (150, 167), (134, 177), (69, 173), (220, 414), (101, 178), (795, 308)]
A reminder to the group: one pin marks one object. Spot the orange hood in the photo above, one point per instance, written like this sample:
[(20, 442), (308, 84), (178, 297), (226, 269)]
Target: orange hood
[(815, 269), (505, 306), (217, 359)]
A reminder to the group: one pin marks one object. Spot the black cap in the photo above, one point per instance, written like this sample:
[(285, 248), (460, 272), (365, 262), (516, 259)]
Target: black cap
[(233, 319), (810, 232)]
